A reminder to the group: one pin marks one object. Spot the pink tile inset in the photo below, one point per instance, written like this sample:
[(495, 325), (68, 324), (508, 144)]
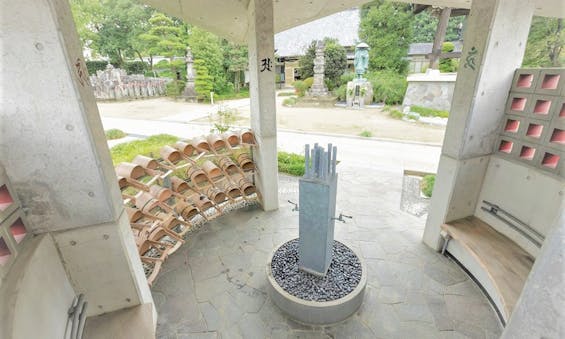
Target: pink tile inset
[(562, 112), (550, 81), (534, 130), (505, 146), (527, 152), (5, 198), (558, 136), (542, 107), (512, 125), (518, 104), (5, 253), (550, 160), (525, 81), (18, 230)]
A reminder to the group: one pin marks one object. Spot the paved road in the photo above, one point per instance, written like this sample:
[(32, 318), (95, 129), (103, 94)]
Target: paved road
[(362, 153)]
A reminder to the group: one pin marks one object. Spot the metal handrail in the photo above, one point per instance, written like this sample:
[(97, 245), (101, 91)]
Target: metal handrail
[(495, 210)]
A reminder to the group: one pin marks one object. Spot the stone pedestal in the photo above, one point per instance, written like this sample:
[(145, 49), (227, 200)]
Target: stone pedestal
[(359, 93)]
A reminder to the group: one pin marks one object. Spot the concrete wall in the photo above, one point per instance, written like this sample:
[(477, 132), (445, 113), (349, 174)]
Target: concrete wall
[(430, 90), (531, 195), (29, 310)]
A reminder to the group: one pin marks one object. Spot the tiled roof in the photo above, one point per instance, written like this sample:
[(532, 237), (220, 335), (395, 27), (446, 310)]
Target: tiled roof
[(342, 26)]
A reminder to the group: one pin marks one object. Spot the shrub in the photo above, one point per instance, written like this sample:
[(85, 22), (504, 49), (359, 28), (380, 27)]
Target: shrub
[(346, 77), (366, 134), (395, 114), (447, 65), (223, 120), (285, 94), (309, 82), (388, 87), (112, 134), (175, 88), (149, 147), (289, 101), (427, 184), (291, 163), (341, 92), (95, 65), (136, 67), (300, 88), (429, 112), (203, 83)]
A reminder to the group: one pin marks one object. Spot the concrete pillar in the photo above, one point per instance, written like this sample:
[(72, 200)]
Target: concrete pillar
[(53, 147), (261, 45), (495, 40), (540, 311)]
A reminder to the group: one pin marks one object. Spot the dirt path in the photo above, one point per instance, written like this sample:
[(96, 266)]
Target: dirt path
[(322, 120)]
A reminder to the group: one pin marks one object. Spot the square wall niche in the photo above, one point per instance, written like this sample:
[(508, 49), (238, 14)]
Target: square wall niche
[(18, 230), (542, 107), (527, 153), (505, 146), (518, 104), (534, 130), (525, 80), (5, 253), (6, 199), (550, 81), (550, 160), (512, 126), (557, 136), (562, 111)]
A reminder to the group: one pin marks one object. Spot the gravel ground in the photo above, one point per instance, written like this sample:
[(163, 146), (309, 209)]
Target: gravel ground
[(341, 279)]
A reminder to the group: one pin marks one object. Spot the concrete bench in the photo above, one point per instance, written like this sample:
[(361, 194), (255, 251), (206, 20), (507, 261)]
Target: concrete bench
[(495, 261)]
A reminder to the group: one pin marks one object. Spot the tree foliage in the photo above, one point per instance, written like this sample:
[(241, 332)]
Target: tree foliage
[(387, 28), (335, 62), (203, 83), (545, 43), (111, 27), (425, 26), (235, 61), (207, 47)]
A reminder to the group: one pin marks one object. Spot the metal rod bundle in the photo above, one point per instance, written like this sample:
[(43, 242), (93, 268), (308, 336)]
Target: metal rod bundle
[(320, 164)]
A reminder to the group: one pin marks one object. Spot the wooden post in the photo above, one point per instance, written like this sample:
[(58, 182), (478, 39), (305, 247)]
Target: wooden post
[(439, 37)]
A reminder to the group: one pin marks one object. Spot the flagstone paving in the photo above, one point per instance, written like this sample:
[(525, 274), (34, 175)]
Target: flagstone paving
[(215, 285)]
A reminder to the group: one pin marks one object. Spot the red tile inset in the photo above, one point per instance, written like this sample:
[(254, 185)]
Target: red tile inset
[(525, 81), (518, 104), (550, 160), (512, 125), (550, 81), (527, 152), (534, 130), (505, 146), (18, 230), (558, 136), (5, 253), (562, 112), (5, 198), (542, 107)]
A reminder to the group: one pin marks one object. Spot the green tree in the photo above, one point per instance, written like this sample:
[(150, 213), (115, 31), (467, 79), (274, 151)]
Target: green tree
[(425, 26), (207, 47), (335, 61), (203, 83), (545, 43), (387, 28), (165, 37), (235, 61)]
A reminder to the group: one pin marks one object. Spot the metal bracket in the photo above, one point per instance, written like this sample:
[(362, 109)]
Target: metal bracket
[(341, 216), (295, 208)]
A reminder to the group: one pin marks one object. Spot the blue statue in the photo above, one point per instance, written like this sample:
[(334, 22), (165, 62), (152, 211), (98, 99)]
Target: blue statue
[(361, 61)]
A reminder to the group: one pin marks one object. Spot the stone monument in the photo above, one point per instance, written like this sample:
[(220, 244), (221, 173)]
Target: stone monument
[(319, 88), (360, 91), (316, 279), (189, 93)]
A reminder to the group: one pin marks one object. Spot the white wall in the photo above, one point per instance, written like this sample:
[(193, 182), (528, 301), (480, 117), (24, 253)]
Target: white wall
[(525, 192), (37, 294)]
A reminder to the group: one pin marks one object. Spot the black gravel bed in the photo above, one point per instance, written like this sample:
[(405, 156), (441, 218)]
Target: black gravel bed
[(341, 279)]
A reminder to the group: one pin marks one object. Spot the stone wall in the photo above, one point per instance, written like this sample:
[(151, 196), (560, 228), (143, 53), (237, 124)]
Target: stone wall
[(115, 84), (432, 89)]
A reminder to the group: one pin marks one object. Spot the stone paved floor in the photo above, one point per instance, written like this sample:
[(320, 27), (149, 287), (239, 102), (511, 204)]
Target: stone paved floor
[(215, 285)]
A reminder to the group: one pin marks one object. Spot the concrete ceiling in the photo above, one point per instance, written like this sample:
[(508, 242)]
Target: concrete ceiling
[(228, 18)]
